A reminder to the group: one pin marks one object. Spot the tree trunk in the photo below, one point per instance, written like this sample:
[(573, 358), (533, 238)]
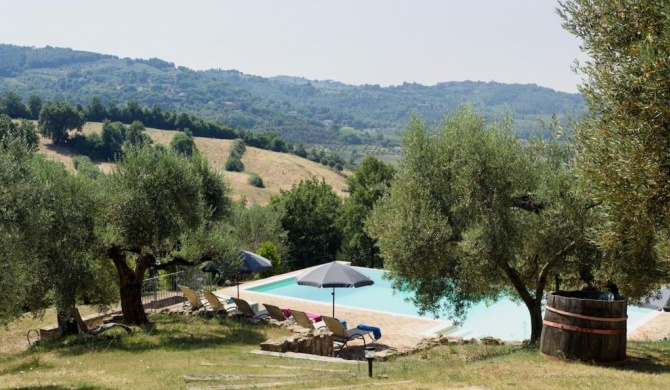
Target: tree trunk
[(130, 286), (66, 324), (534, 304), (131, 300), (535, 311)]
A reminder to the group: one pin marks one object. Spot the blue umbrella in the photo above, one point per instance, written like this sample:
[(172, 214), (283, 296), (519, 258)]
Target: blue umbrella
[(334, 275), (252, 263)]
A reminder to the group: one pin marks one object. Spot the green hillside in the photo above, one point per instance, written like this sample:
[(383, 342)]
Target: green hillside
[(299, 110)]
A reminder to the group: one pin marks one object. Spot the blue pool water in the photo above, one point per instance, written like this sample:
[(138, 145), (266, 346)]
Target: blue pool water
[(504, 319)]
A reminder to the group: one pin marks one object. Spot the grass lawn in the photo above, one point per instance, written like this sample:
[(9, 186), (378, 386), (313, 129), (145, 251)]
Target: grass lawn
[(159, 357)]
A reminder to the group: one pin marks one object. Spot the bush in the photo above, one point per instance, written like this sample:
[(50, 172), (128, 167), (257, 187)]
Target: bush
[(238, 148), (256, 181), (85, 166), (234, 164)]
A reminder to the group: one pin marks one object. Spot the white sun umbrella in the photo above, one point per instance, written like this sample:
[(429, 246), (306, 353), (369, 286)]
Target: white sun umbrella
[(660, 301), (334, 275)]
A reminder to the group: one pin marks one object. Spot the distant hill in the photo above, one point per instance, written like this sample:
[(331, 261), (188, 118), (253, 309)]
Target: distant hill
[(298, 109), (279, 171)]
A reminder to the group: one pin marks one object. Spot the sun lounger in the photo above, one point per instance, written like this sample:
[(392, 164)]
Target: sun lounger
[(276, 313), (244, 307), (192, 298), (217, 306), (96, 331), (343, 336), (302, 319)]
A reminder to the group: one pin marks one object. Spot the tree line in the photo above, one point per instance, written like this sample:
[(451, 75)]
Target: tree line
[(58, 119)]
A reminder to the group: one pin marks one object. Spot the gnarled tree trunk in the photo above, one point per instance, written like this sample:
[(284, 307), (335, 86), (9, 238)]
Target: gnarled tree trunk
[(130, 287)]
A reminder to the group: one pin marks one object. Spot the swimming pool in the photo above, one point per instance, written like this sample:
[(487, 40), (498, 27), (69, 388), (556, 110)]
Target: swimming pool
[(504, 319)]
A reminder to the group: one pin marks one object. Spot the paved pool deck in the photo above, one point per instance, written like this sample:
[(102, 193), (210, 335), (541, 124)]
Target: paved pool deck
[(655, 329)]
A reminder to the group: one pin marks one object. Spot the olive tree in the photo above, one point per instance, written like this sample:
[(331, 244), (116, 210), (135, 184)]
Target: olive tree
[(623, 140), (47, 236), (472, 215), (159, 205)]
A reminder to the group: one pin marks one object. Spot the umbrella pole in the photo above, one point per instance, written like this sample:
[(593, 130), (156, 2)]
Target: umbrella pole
[(333, 302)]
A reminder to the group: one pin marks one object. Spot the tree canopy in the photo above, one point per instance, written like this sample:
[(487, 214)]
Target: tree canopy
[(474, 215), (366, 186), (56, 119), (623, 139), (310, 209)]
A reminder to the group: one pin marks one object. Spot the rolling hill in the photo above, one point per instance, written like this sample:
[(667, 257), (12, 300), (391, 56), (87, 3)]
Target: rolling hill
[(299, 110), (279, 171)]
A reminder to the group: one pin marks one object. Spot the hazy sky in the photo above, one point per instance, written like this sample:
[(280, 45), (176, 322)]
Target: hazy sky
[(384, 42)]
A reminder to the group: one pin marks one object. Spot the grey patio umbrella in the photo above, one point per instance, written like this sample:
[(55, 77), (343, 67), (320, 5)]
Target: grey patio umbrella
[(661, 303), (334, 275), (252, 263)]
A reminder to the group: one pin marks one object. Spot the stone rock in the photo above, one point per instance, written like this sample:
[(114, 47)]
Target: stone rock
[(490, 341), (381, 356), (320, 344), (275, 345)]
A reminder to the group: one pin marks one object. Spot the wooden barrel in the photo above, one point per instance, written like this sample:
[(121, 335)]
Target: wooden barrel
[(585, 325)]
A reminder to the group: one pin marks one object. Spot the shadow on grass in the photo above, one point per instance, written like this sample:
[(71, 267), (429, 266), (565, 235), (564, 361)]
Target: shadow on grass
[(174, 332), (33, 363), (647, 357)]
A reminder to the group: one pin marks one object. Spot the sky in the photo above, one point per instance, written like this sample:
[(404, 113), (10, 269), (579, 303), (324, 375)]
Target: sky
[(385, 42)]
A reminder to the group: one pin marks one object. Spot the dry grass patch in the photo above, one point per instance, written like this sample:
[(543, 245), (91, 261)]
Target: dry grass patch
[(280, 171)]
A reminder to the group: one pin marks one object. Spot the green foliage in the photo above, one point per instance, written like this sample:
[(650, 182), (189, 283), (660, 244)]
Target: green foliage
[(50, 229), (34, 106), (234, 164), (136, 135), (183, 143), (215, 189), (113, 137), (85, 166), (473, 215), (255, 225), (11, 105), (153, 197), (269, 251), (255, 180), (309, 216), (234, 161), (57, 118), (23, 132), (20, 217), (368, 184), (238, 148), (623, 141)]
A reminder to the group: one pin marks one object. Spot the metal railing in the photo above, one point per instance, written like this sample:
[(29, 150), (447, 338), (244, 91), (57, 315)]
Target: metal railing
[(163, 290)]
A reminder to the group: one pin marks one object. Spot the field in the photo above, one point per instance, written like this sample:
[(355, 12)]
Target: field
[(279, 171), (180, 352)]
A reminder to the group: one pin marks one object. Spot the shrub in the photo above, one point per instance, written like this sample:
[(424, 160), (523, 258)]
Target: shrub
[(238, 148), (234, 164), (256, 181), (85, 166)]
